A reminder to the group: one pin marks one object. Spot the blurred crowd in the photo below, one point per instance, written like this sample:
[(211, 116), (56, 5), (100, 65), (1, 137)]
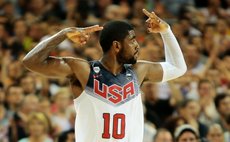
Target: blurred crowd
[(194, 107)]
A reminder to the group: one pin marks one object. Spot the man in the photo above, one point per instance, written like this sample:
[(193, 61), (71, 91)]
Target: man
[(222, 103), (108, 100)]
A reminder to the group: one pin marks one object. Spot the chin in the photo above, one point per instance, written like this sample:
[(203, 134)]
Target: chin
[(133, 61)]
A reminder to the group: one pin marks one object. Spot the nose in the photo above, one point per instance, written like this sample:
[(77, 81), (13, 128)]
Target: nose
[(137, 47)]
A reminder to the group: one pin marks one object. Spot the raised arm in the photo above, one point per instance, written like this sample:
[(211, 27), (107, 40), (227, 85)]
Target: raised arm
[(38, 59), (174, 65)]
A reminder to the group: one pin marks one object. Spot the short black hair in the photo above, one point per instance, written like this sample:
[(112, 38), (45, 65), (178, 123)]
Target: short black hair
[(113, 31), (219, 98)]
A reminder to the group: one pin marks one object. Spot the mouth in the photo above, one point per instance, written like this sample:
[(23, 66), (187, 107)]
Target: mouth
[(136, 53)]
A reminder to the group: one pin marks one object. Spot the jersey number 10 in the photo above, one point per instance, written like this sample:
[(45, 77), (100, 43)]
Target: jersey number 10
[(118, 122)]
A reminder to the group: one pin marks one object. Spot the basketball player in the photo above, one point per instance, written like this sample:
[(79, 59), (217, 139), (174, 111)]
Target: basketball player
[(109, 106)]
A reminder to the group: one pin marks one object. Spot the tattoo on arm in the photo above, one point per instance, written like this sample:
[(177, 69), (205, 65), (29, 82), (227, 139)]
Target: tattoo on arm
[(40, 53)]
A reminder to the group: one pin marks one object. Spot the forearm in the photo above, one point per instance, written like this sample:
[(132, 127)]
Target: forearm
[(40, 53), (174, 65)]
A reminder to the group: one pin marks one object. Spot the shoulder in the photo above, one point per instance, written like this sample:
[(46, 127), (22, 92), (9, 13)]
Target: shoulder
[(48, 140), (24, 140)]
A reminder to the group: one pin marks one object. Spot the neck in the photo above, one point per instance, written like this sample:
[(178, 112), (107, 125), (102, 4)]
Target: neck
[(13, 107), (39, 138), (111, 64)]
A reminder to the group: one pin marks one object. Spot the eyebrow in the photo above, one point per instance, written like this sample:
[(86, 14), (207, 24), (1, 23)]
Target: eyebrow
[(132, 35)]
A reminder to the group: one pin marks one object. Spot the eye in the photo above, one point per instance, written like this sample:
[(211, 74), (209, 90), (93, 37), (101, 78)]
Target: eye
[(133, 40)]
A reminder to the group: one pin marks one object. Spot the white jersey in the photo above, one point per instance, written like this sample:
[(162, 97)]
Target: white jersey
[(110, 108)]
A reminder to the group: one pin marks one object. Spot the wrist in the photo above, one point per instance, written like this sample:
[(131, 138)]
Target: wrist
[(66, 30), (167, 30)]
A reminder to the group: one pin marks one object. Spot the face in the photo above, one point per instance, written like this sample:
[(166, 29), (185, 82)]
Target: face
[(15, 70), (187, 137), (20, 28), (15, 95), (44, 106), (36, 128), (128, 53), (224, 106), (206, 90), (191, 111), (164, 137), (70, 137), (62, 101), (30, 103), (215, 134), (28, 85)]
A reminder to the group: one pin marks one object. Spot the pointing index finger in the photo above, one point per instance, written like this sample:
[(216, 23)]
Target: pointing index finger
[(92, 29), (147, 13)]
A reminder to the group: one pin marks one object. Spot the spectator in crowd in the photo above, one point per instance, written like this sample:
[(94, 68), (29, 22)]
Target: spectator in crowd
[(14, 97), (38, 127), (45, 106), (222, 103), (163, 135), (186, 133), (215, 133), (67, 136), (206, 91), (154, 105), (189, 110), (17, 129), (60, 118), (21, 42), (28, 84), (173, 122)]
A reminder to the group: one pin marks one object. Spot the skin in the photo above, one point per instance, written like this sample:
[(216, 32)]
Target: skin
[(37, 131), (215, 133), (38, 59), (164, 136)]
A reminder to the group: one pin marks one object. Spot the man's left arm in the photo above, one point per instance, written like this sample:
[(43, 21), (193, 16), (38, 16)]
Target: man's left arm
[(174, 65)]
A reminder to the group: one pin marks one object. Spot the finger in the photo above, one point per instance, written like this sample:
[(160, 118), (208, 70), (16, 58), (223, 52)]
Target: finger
[(155, 16), (83, 39), (71, 34), (148, 20), (147, 13), (92, 29)]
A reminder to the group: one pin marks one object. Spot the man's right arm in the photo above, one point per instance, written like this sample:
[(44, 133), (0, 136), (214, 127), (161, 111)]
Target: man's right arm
[(38, 59)]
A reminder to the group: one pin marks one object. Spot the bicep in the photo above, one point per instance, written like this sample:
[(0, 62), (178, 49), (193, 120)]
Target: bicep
[(52, 67), (146, 70), (80, 69)]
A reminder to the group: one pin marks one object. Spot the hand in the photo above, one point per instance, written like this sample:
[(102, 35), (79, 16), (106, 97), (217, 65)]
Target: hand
[(154, 23), (81, 35)]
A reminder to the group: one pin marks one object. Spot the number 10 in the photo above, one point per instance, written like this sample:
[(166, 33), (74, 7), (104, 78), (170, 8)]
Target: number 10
[(116, 118)]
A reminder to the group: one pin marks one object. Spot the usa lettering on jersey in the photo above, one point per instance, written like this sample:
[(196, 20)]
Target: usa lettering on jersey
[(115, 94)]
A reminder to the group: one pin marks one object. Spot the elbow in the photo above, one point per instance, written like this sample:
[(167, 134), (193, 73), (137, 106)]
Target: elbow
[(27, 62)]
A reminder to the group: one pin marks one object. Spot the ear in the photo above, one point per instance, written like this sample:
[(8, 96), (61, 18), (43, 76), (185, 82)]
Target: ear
[(116, 46)]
